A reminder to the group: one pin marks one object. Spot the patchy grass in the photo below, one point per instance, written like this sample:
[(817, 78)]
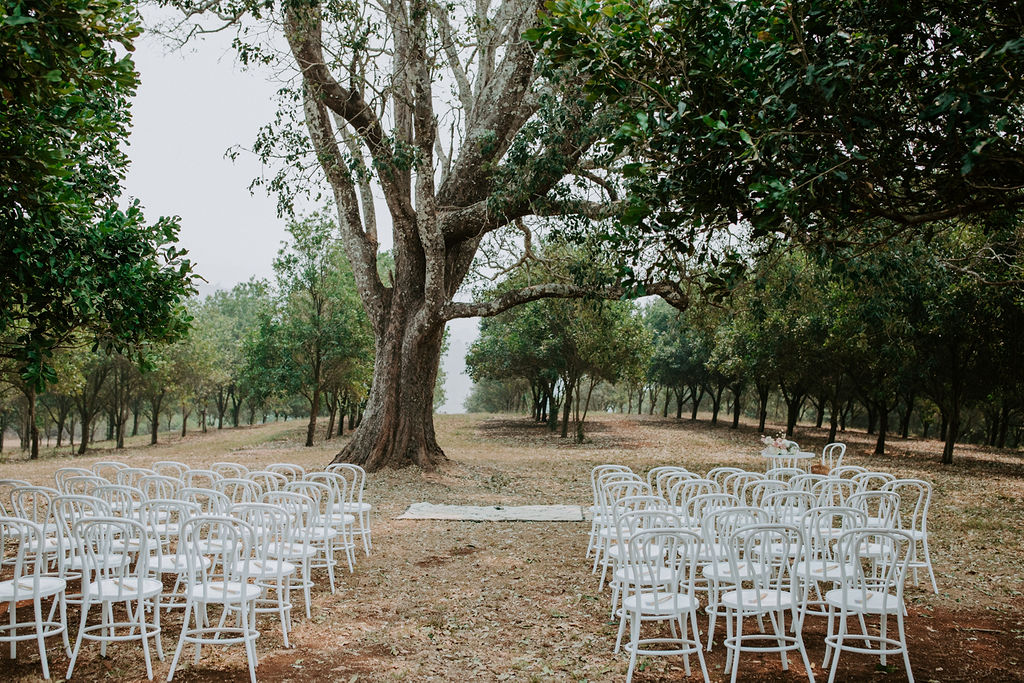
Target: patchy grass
[(443, 600)]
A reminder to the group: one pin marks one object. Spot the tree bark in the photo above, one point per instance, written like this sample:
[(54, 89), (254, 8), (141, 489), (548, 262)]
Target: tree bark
[(883, 427), (397, 428)]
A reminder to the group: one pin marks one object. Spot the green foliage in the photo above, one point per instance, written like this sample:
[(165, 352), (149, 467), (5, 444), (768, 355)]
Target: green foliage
[(807, 118), (70, 260)]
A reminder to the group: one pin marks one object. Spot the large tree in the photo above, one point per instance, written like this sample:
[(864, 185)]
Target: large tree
[(440, 109)]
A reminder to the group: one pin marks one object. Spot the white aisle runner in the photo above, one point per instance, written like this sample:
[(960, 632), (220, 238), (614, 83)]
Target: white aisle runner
[(495, 513)]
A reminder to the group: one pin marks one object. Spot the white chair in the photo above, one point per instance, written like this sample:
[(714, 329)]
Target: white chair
[(115, 573), (270, 525), (224, 581), (594, 509), (108, 469), (238, 490), (291, 470), (158, 486), (915, 499), (832, 455), (170, 468), (337, 515), (608, 473), (123, 500), (64, 473), (68, 510), (652, 474), (785, 474), (209, 501), (716, 570), (268, 481), (230, 470), (130, 476), (607, 535), (773, 591), (629, 515), (736, 482), (21, 547), (295, 549), (719, 475), (200, 479), (163, 519), (805, 482), (82, 485), (877, 591), (754, 492), (881, 507), (356, 505), (819, 566), (787, 507), (661, 568), (833, 492), (846, 471), (872, 481), (318, 531)]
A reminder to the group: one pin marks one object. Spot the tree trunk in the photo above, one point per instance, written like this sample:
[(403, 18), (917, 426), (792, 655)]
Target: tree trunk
[(872, 418), (397, 427), (952, 429), (737, 408), (33, 428), (883, 427), (1004, 424), (716, 403), (696, 395), (668, 398), (567, 400), (314, 410), (763, 393)]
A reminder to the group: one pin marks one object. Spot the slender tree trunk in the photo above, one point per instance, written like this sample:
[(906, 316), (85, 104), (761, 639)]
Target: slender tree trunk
[(569, 385), (696, 395), (1004, 424), (668, 398), (314, 410), (33, 428), (763, 394), (952, 431), (883, 427), (716, 403)]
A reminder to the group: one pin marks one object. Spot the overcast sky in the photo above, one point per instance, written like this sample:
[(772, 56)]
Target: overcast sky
[(192, 106)]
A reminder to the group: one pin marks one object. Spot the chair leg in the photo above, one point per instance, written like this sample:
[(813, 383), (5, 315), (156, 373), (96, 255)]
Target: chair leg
[(37, 608), (699, 648), (181, 640), (78, 639), (838, 647), (141, 616), (903, 644), (739, 643)]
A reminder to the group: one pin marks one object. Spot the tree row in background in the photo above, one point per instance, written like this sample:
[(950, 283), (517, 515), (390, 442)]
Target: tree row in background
[(299, 346), (918, 335)]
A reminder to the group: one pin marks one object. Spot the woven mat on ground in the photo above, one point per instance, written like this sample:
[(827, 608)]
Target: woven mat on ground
[(495, 513)]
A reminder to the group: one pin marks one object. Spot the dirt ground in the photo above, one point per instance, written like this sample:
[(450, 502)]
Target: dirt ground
[(515, 601)]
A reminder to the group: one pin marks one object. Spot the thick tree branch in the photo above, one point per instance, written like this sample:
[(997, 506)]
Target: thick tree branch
[(669, 291)]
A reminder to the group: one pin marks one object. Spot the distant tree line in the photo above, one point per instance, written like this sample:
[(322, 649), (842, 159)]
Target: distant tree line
[(297, 346), (918, 336)]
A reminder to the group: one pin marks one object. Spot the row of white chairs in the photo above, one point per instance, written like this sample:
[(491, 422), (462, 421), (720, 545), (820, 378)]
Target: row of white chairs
[(284, 523), (811, 527)]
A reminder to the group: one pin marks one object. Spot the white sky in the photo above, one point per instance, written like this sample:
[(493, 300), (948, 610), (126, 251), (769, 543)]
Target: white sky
[(191, 107)]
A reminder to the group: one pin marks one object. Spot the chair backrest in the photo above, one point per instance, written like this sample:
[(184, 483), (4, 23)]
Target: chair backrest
[(159, 486), (21, 548), (881, 507), (34, 503), (846, 471), (759, 556), (6, 486), (822, 527), (595, 474), (833, 492), (63, 473), (288, 469), (787, 507), (67, 510), (163, 518), (890, 551), (832, 454), (218, 553), (669, 479), (719, 475), (130, 476), (699, 507), (200, 479), (239, 490), (113, 548), (805, 482), (300, 508), (123, 500), (341, 488), (355, 474), (170, 468), (720, 524), (268, 481), (915, 499), (322, 495), (662, 566), (108, 469), (872, 481), (82, 485), (230, 469), (737, 481), (755, 491), (652, 474), (271, 528), (209, 501), (785, 474), (685, 489)]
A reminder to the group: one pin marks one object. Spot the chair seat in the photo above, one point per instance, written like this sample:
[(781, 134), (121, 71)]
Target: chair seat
[(270, 567), (659, 577), (820, 570), (722, 570), (357, 507), (659, 603), (173, 564), (345, 519), (752, 599), (294, 550), (48, 585), (877, 602), (219, 592), (127, 588), (319, 533)]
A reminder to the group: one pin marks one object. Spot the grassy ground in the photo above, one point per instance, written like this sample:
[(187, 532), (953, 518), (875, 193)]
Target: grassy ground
[(516, 601)]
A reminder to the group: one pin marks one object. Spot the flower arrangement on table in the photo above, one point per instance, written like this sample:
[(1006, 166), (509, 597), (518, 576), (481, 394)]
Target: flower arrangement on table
[(777, 445)]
